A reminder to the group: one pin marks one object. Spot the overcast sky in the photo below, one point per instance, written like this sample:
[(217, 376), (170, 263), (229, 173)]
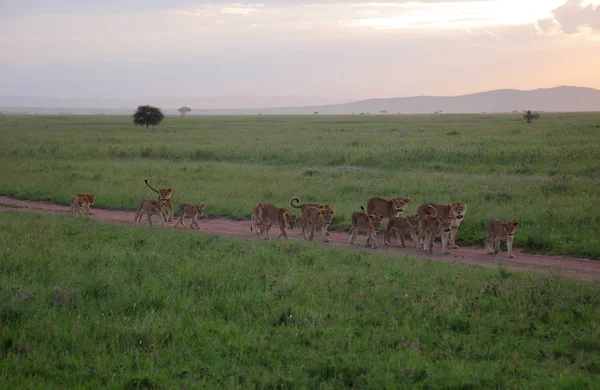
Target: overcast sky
[(341, 50)]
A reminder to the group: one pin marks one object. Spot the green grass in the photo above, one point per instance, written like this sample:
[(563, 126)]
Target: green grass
[(87, 305), (545, 174)]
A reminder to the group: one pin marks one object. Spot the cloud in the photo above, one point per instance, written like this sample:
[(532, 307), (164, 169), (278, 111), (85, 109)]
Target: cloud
[(573, 17)]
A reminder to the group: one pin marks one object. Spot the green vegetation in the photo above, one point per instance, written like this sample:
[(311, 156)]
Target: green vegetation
[(87, 305), (546, 174)]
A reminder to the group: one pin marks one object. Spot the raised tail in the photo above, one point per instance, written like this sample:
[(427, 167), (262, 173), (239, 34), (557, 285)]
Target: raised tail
[(298, 201), (153, 189)]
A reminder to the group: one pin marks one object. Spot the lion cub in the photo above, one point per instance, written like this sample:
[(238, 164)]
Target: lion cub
[(192, 211), (433, 226), (150, 207), (369, 223), (82, 202), (164, 195), (388, 209), (327, 216), (497, 230), (455, 210), (314, 217), (399, 226), (269, 215)]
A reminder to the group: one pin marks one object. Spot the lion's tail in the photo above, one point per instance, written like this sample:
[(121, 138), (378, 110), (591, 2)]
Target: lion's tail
[(152, 188), (297, 201)]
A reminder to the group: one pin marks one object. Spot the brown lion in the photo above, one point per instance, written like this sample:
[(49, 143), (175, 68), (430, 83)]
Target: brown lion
[(431, 228), (150, 207), (369, 223), (192, 211), (164, 194), (312, 218), (270, 215), (496, 231), (327, 215), (82, 202), (388, 209), (399, 226), (456, 211)]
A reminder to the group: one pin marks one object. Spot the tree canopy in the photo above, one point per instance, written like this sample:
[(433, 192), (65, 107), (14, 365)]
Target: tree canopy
[(147, 115), (184, 110)]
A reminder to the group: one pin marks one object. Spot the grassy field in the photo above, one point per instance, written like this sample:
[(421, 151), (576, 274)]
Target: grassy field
[(87, 305), (545, 174)]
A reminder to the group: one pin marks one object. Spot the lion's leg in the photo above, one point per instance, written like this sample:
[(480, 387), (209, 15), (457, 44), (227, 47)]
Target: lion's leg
[(373, 239), (324, 233), (163, 220), (282, 232), (137, 218), (149, 215), (453, 230), (497, 245), (415, 238), (487, 244), (444, 242), (195, 222), (509, 244), (387, 234), (183, 221), (402, 240)]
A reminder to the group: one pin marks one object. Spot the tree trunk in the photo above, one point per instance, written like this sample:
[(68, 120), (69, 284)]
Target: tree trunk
[(147, 124)]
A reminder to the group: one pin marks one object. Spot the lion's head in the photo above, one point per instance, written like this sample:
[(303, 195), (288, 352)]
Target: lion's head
[(459, 209), (399, 204), (510, 227), (375, 221), (413, 221)]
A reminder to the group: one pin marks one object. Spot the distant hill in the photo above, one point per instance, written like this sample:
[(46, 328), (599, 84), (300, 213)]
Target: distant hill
[(504, 100)]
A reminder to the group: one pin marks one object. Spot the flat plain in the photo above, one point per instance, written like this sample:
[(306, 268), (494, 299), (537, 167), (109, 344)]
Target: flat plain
[(89, 305)]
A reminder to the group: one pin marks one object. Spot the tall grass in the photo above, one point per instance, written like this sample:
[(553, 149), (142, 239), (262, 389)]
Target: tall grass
[(86, 305), (545, 174)]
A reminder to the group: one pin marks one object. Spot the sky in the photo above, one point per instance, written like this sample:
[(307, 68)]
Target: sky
[(340, 50)]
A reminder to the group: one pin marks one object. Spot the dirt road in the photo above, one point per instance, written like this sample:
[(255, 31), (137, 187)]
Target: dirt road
[(574, 268)]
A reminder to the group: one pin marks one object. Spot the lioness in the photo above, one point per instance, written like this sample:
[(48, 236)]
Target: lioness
[(388, 209), (270, 215), (82, 202), (190, 210), (497, 230), (399, 226), (431, 228), (164, 194), (327, 215), (369, 223), (150, 207), (455, 210)]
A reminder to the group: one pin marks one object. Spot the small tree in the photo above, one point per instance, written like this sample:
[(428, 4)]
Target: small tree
[(147, 115), (529, 116), (184, 110), (383, 112)]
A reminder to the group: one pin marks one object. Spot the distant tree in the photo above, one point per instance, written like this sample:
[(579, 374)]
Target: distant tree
[(316, 113), (383, 111), (147, 115), (529, 116), (184, 110)]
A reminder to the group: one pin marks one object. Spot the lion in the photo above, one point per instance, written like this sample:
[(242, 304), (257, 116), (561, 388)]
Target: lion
[(431, 228), (369, 223), (269, 215), (190, 210), (388, 209), (312, 218), (150, 207), (82, 202), (399, 226), (455, 210), (327, 215), (164, 194), (256, 217), (497, 230)]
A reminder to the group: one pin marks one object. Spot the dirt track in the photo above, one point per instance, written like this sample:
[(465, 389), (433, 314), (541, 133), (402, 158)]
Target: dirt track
[(574, 268)]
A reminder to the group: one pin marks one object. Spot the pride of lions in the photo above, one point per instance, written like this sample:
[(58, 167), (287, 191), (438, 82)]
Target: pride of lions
[(432, 220)]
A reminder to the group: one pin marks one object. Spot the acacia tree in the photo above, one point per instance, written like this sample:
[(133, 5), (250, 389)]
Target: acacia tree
[(529, 116), (147, 115), (184, 110)]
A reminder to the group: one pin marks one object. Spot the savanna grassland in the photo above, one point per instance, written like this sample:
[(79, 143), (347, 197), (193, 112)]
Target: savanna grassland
[(89, 305), (545, 174)]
